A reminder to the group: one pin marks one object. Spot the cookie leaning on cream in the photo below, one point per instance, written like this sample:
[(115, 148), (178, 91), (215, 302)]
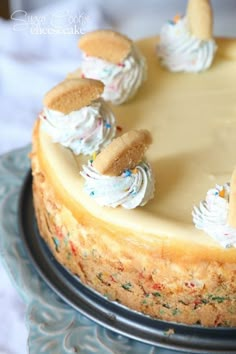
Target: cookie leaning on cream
[(77, 117), (119, 175), (123, 153), (187, 44), (216, 215), (116, 61)]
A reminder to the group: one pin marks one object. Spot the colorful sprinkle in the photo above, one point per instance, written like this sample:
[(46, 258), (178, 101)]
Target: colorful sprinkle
[(113, 279), (121, 267), (222, 193), (91, 194), (56, 243), (175, 312), (99, 276), (156, 294), (219, 299), (134, 192), (94, 156), (127, 173), (158, 286), (127, 286), (177, 18), (189, 284), (73, 248), (59, 232)]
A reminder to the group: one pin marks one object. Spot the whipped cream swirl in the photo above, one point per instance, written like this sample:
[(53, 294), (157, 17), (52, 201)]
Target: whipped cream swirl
[(83, 131), (131, 189), (121, 80), (211, 216), (179, 50)]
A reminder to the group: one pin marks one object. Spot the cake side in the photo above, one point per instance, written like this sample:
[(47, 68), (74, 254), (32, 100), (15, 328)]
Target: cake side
[(154, 277), (54, 157)]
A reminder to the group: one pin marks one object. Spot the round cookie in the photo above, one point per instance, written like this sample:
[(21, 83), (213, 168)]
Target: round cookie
[(73, 94), (106, 44)]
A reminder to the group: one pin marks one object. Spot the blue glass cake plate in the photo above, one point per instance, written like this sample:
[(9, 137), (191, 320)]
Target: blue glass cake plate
[(64, 316)]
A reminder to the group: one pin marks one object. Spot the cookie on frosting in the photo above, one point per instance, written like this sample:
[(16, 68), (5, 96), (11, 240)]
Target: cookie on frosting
[(124, 152), (200, 19), (186, 43), (73, 94), (76, 116), (115, 60), (106, 44)]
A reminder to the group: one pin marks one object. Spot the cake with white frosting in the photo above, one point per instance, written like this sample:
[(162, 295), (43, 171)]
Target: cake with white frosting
[(159, 257)]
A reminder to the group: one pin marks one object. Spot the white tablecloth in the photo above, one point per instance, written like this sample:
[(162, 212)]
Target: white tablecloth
[(31, 63)]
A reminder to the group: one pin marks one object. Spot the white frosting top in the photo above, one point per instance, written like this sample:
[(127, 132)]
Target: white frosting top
[(179, 50), (131, 189), (211, 216), (122, 80), (83, 131)]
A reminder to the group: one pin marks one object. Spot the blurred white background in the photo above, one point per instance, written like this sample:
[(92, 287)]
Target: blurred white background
[(31, 62)]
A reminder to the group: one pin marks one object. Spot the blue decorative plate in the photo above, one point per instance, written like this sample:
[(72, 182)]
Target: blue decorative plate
[(60, 308)]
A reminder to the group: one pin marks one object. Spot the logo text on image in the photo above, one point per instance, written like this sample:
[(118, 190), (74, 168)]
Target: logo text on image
[(57, 23)]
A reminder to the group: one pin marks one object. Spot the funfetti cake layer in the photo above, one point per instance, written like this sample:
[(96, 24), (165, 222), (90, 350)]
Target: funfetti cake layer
[(152, 258)]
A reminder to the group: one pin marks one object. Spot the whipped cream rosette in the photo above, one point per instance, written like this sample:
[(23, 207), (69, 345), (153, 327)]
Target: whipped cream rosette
[(84, 130), (131, 189), (212, 216), (122, 70), (186, 43), (110, 183)]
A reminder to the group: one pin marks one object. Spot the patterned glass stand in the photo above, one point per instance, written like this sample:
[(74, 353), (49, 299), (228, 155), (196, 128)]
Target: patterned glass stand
[(54, 326)]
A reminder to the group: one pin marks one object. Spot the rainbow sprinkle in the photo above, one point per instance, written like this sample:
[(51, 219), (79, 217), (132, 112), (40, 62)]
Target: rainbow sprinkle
[(177, 18), (56, 243), (127, 173)]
